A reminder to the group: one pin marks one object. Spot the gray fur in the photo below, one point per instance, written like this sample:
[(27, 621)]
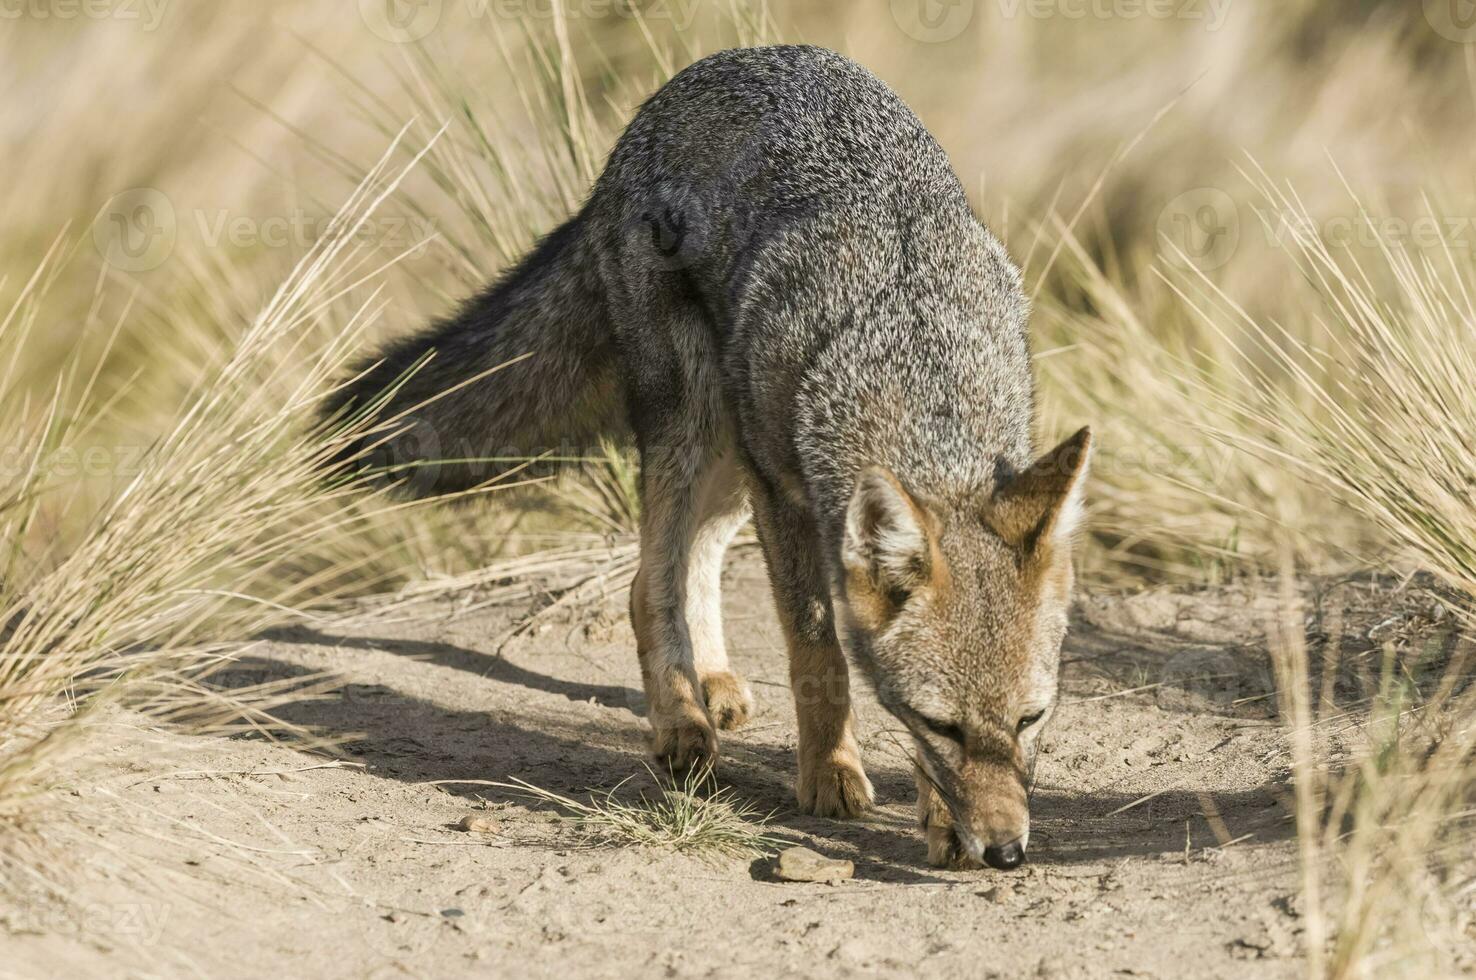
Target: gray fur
[(778, 266)]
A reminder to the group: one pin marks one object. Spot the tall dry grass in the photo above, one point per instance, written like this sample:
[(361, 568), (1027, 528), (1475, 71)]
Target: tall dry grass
[(1383, 790), (144, 593), (1338, 435), (1374, 406)]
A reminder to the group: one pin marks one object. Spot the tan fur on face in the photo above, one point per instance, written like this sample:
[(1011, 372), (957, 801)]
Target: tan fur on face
[(967, 639)]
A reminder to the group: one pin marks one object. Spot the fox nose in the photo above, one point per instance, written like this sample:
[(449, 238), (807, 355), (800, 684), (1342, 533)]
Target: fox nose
[(1005, 857)]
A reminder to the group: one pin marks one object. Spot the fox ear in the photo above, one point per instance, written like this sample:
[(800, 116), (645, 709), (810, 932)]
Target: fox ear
[(886, 552), (1044, 504)]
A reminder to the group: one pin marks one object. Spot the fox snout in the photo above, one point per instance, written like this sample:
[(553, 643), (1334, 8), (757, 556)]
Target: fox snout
[(1006, 856), (992, 817), (978, 814), (1002, 857)]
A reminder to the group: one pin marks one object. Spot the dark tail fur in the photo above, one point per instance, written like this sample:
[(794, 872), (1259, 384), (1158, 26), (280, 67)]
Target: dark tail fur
[(559, 399)]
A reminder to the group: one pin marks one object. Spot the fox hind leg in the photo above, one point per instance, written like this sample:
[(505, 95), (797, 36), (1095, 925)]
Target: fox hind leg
[(682, 733), (691, 505), (722, 509), (686, 525)]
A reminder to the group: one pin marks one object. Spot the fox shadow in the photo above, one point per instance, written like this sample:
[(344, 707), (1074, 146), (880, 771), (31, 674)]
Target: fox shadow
[(400, 736)]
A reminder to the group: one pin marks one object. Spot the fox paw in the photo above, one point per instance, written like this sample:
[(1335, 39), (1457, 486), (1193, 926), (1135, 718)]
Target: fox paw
[(687, 746), (729, 701), (834, 787), (945, 850)]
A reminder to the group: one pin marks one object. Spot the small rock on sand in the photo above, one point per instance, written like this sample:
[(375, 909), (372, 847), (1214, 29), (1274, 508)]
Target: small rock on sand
[(803, 864), (478, 824)]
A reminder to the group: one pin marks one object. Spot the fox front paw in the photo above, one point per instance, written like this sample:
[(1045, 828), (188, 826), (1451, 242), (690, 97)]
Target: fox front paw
[(944, 848), (729, 701), (684, 746), (834, 787)]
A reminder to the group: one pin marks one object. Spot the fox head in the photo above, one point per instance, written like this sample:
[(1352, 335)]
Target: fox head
[(956, 609)]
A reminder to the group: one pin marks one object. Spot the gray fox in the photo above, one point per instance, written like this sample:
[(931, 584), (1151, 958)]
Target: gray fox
[(778, 287)]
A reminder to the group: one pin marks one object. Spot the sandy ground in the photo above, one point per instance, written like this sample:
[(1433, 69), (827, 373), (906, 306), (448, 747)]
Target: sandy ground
[(1161, 842)]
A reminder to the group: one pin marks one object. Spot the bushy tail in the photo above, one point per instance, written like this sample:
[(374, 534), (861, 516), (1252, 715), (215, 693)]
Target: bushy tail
[(444, 431)]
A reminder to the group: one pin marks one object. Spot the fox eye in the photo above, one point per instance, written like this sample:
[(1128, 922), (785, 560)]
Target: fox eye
[(943, 729), (1029, 720)]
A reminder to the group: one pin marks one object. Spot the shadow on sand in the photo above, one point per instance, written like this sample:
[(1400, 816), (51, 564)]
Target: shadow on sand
[(407, 738)]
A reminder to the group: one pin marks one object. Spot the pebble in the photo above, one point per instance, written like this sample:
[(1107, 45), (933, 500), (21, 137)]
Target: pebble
[(478, 824), (803, 864)]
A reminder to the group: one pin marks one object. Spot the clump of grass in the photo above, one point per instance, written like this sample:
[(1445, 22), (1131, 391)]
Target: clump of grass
[(179, 559), (1370, 402), (687, 817), (1384, 834), (1379, 406)]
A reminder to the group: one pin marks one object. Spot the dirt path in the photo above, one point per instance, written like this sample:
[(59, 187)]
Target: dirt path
[(1160, 843)]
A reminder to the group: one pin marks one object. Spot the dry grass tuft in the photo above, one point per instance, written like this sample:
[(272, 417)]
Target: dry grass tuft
[(689, 816), (1385, 821), (175, 566)]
